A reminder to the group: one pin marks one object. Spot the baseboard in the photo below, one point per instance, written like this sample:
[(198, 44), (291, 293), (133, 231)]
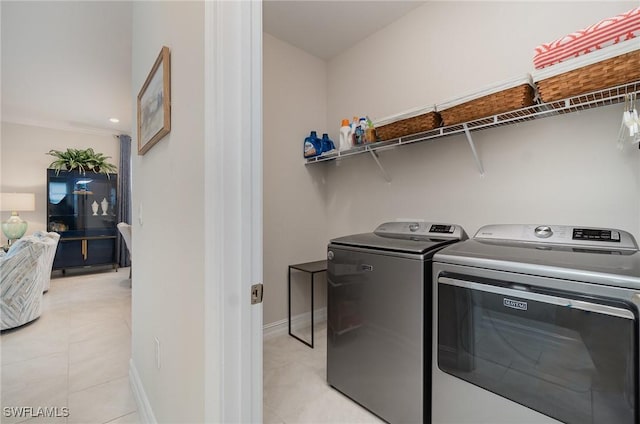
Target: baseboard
[(144, 407), (281, 327)]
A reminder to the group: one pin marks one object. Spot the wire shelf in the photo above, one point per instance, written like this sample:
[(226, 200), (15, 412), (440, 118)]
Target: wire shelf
[(605, 97)]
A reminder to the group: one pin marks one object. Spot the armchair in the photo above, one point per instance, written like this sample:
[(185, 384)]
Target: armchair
[(21, 282), (125, 230), (51, 245)]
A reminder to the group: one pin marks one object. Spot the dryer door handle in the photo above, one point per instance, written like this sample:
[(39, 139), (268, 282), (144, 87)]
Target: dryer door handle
[(516, 298)]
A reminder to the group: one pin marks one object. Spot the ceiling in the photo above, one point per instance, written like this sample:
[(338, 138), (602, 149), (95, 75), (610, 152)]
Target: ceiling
[(67, 64), (327, 28)]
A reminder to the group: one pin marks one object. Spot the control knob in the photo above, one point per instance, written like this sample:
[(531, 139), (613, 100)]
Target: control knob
[(414, 227), (543, 231)]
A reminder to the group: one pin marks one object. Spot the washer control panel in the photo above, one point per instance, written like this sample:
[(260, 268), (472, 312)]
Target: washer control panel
[(605, 238), (420, 229)]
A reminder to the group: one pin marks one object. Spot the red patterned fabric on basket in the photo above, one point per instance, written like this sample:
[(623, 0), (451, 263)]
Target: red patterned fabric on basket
[(605, 33)]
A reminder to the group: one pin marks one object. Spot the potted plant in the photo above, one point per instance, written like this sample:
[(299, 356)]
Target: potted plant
[(82, 160)]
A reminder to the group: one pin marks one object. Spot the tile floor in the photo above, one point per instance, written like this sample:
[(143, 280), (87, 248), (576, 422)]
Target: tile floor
[(76, 356), (295, 384)]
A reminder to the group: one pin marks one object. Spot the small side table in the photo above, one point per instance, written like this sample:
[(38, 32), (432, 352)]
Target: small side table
[(312, 268)]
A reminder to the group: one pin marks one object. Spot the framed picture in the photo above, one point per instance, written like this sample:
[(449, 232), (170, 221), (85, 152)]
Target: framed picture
[(154, 104)]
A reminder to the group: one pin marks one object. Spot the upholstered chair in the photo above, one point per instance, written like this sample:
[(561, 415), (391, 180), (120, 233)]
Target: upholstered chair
[(51, 245), (21, 282), (125, 230)]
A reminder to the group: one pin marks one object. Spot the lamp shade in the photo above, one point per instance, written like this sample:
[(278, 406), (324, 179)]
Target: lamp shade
[(16, 202)]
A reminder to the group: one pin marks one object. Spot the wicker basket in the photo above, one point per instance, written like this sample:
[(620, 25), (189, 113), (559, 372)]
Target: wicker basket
[(413, 125), (501, 101), (610, 72)]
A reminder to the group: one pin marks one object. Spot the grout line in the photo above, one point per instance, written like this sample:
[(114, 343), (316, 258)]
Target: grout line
[(19, 361), (110, 380), (121, 416)]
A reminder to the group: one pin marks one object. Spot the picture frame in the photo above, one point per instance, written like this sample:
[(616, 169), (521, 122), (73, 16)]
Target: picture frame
[(154, 103)]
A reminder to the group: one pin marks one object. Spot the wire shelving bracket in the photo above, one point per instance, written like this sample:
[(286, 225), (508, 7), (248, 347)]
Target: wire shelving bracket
[(473, 149), (385, 175)]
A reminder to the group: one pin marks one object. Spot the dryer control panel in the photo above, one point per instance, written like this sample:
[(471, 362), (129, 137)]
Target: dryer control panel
[(605, 238)]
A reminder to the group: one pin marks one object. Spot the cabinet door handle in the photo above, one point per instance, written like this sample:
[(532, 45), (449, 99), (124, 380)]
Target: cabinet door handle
[(84, 249)]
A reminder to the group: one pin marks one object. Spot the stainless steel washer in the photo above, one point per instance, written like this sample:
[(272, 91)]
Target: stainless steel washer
[(537, 324), (379, 316)]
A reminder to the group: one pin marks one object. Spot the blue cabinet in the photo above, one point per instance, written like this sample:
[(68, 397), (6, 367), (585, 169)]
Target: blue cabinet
[(82, 209)]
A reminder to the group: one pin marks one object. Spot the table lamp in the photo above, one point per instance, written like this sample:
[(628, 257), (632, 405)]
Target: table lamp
[(14, 227)]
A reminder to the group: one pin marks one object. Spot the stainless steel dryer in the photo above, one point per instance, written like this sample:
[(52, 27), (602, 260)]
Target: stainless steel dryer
[(537, 324), (379, 317)]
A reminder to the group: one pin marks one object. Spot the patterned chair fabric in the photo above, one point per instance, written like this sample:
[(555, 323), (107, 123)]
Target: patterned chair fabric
[(21, 282), (51, 245), (125, 230)]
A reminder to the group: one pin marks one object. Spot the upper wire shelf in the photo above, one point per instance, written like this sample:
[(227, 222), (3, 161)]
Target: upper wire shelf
[(605, 97)]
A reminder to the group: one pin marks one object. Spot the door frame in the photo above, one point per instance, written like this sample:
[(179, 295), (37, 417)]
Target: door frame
[(233, 203)]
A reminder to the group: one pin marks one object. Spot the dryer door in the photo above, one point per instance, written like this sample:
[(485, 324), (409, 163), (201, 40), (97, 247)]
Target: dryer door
[(570, 357)]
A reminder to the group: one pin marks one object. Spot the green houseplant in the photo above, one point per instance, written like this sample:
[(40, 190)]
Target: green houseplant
[(82, 160)]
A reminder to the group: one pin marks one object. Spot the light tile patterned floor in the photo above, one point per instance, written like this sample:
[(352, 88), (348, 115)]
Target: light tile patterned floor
[(75, 356), (295, 384)]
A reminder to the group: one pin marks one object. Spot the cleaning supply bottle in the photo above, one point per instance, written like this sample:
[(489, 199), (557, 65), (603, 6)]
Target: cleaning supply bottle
[(327, 143), (345, 142), (363, 130), (312, 145), (370, 132), (354, 126), (359, 131)]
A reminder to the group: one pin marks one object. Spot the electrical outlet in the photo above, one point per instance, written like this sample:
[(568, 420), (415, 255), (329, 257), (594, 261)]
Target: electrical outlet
[(157, 352)]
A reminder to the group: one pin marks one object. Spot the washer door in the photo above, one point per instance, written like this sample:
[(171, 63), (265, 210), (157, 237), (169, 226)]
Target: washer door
[(567, 356)]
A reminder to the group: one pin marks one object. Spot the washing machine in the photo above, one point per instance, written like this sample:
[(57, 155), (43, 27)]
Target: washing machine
[(537, 324), (379, 316)]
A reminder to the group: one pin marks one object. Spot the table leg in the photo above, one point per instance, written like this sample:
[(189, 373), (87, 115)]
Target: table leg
[(289, 300), (313, 277)]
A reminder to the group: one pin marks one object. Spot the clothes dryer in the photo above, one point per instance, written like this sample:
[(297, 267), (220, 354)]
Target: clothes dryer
[(537, 324)]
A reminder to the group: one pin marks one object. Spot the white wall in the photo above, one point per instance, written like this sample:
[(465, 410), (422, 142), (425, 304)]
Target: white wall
[(560, 170), (168, 217), (295, 102), (445, 49), (24, 162)]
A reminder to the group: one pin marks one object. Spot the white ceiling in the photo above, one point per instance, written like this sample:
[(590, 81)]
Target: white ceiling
[(67, 64), (327, 28)]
